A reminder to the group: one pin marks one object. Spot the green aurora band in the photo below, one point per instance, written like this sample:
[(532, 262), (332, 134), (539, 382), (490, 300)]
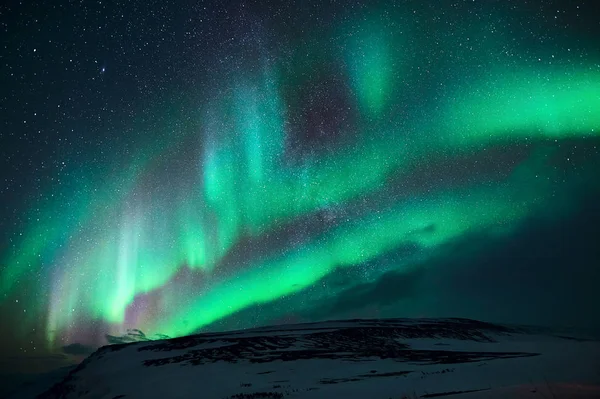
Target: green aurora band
[(129, 234)]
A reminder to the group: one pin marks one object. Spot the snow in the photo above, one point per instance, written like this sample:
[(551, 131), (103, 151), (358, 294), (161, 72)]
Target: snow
[(346, 359)]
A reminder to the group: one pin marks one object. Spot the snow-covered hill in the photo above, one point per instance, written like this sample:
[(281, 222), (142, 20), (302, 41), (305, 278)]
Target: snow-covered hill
[(393, 358)]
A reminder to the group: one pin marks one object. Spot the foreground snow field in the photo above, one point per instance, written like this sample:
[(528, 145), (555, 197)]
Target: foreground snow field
[(391, 358)]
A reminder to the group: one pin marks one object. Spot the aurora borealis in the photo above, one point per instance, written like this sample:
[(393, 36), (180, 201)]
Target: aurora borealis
[(229, 161)]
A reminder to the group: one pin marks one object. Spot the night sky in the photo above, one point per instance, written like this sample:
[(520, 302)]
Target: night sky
[(178, 166)]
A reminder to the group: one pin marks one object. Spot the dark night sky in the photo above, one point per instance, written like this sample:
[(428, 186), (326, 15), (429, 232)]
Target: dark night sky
[(187, 166)]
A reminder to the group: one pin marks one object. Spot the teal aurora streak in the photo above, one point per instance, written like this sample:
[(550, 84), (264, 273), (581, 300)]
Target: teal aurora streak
[(129, 235)]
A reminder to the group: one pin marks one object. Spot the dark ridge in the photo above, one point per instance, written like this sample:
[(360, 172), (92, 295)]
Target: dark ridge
[(456, 328), (355, 343), (391, 374), (256, 395), (326, 381), (437, 395)]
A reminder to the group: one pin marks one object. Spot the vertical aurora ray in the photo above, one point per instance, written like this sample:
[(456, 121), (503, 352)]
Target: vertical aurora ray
[(373, 60), (127, 262), (192, 236), (55, 220)]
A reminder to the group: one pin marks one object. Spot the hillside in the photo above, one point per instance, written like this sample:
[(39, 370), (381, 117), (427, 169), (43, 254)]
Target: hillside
[(391, 358)]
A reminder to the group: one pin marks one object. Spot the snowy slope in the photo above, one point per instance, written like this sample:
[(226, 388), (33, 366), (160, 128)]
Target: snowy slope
[(394, 358)]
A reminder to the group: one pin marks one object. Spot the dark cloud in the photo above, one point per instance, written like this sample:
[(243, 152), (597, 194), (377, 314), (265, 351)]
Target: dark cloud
[(546, 272), (390, 288), (77, 349)]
